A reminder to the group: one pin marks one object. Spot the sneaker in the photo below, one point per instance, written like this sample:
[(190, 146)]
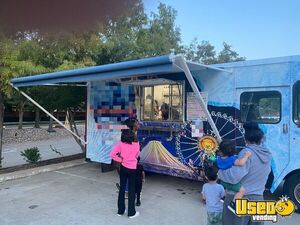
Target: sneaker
[(138, 203), (121, 214), (222, 200), (232, 207), (135, 215)]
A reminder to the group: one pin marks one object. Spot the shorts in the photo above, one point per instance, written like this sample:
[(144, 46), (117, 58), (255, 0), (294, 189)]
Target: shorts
[(231, 187), (214, 218)]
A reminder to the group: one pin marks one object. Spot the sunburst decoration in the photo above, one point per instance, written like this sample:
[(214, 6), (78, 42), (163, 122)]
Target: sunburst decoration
[(188, 147)]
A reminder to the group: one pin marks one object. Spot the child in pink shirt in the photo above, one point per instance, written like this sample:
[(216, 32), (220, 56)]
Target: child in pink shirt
[(126, 152)]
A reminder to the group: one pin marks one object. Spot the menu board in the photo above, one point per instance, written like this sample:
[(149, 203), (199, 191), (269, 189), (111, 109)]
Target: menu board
[(194, 110)]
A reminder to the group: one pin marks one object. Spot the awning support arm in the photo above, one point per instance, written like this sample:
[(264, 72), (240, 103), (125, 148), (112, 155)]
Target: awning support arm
[(48, 113), (180, 62)]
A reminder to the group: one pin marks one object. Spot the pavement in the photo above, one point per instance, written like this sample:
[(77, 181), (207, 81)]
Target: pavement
[(65, 145), (83, 195), (41, 169)]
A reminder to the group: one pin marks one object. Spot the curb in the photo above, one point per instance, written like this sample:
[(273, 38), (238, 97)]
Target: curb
[(38, 170)]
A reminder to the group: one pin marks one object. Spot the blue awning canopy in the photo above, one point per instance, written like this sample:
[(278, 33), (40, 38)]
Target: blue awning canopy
[(135, 71), (142, 67)]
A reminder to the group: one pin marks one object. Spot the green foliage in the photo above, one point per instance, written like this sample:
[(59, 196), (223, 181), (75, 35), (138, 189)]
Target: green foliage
[(205, 53), (121, 36), (136, 35), (14, 63), (31, 155), (69, 51), (59, 98), (131, 36), (228, 55), (163, 34)]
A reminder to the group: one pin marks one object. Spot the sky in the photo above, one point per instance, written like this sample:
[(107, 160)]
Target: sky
[(256, 29)]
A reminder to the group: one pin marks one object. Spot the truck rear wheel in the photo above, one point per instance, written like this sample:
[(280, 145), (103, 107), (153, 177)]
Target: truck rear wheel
[(292, 189)]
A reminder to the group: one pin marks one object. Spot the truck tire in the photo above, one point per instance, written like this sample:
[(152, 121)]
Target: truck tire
[(292, 189)]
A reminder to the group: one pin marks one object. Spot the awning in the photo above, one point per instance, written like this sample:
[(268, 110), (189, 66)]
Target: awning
[(161, 65), (142, 67)]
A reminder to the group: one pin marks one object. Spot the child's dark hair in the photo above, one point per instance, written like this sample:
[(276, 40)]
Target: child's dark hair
[(211, 173), (127, 136), (227, 148), (253, 134), (129, 122)]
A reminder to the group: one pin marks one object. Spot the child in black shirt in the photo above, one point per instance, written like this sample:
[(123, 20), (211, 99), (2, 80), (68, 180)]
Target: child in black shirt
[(140, 178)]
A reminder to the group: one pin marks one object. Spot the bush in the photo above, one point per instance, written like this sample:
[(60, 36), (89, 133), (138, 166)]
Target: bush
[(31, 155)]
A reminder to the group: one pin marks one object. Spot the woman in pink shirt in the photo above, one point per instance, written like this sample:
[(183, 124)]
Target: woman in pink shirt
[(126, 152)]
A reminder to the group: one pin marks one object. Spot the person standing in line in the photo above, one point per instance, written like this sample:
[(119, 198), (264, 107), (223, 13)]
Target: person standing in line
[(133, 124), (253, 175), (212, 193), (140, 179), (226, 160), (126, 153)]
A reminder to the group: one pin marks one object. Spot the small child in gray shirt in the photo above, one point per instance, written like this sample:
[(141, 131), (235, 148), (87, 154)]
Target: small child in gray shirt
[(212, 193)]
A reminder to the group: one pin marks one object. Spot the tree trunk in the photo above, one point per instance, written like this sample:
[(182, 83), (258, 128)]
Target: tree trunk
[(50, 129), (1, 123), (73, 127), (37, 118), (21, 114)]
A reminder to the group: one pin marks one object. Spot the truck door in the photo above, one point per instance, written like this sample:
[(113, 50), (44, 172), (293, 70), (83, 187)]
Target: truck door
[(270, 107), (292, 181)]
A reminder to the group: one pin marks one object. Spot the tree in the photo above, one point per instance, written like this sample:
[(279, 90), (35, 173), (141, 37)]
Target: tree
[(73, 100), (205, 53), (131, 36), (1, 120), (229, 55), (8, 59), (29, 52), (162, 36), (120, 36), (69, 99), (56, 53), (18, 100), (36, 94), (136, 35), (11, 66)]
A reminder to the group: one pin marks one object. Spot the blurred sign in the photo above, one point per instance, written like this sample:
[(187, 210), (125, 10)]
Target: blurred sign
[(197, 128), (194, 110)]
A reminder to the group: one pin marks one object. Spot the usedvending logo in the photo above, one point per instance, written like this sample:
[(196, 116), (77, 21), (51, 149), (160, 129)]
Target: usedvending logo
[(265, 210)]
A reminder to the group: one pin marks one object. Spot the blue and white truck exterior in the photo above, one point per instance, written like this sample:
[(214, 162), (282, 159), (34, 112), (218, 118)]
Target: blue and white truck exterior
[(186, 108)]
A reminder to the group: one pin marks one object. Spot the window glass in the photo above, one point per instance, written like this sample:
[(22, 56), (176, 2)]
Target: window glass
[(163, 102), (296, 103), (147, 112), (261, 107), (176, 112)]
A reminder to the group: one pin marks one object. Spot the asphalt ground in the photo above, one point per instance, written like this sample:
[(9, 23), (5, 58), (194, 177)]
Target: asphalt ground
[(83, 195)]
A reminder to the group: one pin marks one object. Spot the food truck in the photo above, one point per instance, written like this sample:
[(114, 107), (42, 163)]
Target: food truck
[(185, 109)]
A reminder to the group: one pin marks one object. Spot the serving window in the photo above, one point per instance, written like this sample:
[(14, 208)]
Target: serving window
[(261, 107), (162, 102)]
